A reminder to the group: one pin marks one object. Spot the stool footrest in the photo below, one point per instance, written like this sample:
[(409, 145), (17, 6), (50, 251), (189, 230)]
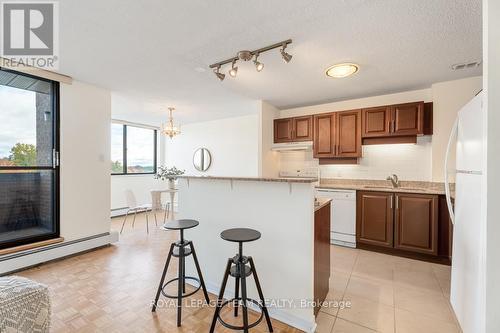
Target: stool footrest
[(192, 278), (240, 328)]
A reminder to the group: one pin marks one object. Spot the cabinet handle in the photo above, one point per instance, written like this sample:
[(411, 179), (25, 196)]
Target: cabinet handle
[(397, 203), (392, 198)]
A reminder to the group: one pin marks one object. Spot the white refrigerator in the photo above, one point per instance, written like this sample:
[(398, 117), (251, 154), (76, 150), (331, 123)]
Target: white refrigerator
[(468, 270)]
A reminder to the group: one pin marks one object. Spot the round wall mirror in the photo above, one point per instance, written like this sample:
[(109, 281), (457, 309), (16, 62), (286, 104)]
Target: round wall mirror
[(202, 159)]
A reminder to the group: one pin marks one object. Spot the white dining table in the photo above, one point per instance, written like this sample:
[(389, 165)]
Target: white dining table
[(172, 192)]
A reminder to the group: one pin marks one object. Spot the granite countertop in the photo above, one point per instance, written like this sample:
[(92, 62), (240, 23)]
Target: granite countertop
[(385, 186), (320, 203), (255, 179)]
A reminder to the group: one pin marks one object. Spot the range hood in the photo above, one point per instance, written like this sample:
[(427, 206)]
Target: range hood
[(287, 146)]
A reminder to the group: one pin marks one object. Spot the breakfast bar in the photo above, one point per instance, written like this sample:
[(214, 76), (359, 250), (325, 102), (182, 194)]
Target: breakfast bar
[(292, 264)]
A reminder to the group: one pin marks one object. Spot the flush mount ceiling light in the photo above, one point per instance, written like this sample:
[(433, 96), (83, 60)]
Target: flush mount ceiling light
[(169, 129), (342, 70), (247, 55)]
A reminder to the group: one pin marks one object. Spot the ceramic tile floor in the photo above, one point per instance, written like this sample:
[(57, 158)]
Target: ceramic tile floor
[(387, 294)]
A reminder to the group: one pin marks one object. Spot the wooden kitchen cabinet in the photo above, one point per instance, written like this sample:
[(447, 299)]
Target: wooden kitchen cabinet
[(321, 254), (324, 143), (293, 129), (302, 128), (416, 223), (408, 119), (283, 130), (337, 135), (349, 133), (396, 123), (375, 218), (376, 121)]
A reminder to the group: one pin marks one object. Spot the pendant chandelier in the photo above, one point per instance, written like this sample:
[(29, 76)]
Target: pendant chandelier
[(168, 128)]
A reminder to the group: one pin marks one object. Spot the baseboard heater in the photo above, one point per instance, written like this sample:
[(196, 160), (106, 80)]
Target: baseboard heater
[(21, 260)]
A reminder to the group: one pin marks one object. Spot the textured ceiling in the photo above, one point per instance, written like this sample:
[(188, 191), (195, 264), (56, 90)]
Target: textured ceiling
[(156, 50)]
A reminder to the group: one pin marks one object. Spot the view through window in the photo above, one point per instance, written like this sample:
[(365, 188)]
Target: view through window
[(28, 172), (133, 149)]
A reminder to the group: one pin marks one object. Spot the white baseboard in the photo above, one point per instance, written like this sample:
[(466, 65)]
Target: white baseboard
[(14, 262), (278, 314)]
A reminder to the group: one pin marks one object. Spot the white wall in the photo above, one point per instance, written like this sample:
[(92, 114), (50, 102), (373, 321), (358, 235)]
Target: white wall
[(85, 160), (423, 161), (233, 143), (491, 51), (270, 160), (448, 98)]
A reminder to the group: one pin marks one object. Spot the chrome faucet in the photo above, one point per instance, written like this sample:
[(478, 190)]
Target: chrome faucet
[(394, 180)]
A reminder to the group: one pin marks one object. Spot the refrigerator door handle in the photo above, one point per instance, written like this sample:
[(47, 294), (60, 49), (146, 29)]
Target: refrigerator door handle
[(453, 136)]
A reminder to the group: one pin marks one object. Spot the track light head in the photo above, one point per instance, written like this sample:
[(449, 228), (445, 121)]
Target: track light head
[(234, 69), (286, 56), (258, 65), (219, 75)]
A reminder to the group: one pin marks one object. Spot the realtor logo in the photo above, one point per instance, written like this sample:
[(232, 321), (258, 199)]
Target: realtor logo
[(30, 33)]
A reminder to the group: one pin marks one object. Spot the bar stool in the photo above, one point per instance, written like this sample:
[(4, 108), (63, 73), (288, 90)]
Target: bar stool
[(240, 271), (181, 249)]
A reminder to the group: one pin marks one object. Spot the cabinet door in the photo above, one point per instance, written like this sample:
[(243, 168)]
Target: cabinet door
[(303, 128), (416, 227), (324, 135), (349, 133), (374, 218), (283, 130), (408, 119), (376, 122)]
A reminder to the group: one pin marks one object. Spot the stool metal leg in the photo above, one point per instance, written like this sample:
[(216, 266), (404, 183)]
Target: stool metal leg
[(197, 264), (236, 295), (163, 277), (181, 286), (261, 294), (244, 295), (221, 295), (124, 220)]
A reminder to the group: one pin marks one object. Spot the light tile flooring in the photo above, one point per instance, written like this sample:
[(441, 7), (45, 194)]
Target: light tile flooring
[(109, 290), (387, 294)]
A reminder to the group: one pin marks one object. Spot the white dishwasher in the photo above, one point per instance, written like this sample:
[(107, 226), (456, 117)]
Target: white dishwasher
[(342, 215)]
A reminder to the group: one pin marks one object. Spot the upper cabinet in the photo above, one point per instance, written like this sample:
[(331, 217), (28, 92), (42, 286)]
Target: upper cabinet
[(404, 121), (408, 119), (293, 129), (337, 135), (376, 121)]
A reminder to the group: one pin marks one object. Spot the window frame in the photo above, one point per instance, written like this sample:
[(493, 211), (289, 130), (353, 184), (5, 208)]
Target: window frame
[(55, 168), (124, 149)]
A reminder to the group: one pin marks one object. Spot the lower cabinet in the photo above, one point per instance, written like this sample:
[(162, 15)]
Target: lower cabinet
[(416, 223), (403, 222), (375, 218)]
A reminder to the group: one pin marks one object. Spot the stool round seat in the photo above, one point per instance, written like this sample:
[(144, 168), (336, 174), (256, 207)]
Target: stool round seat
[(180, 224), (240, 235)]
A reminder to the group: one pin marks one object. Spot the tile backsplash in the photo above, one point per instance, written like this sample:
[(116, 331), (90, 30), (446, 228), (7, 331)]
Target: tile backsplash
[(408, 161)]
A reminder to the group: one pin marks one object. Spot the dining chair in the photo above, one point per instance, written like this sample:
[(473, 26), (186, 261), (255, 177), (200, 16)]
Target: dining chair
[(156, 205), (133, 207)]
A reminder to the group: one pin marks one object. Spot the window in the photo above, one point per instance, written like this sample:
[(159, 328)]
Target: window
[(133, 150), (29, 171)]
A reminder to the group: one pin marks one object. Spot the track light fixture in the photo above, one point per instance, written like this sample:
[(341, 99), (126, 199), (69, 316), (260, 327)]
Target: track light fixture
[(233, 69), (286, 56), (219, 75), (247, 55), (258, 65)]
